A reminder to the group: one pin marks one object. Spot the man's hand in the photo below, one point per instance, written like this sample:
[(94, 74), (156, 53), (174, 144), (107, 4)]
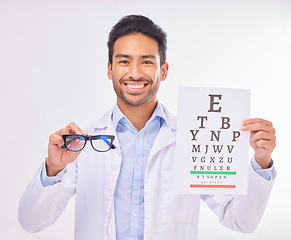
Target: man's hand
[(59, 158), (262, 139)]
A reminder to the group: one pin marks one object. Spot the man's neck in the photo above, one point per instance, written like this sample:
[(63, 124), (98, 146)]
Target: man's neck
[(138, 115)]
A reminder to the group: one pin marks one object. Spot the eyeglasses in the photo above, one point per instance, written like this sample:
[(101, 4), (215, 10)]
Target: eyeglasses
[(76, 142)]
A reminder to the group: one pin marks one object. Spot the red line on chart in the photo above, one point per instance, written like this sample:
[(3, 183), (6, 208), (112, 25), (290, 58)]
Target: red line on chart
[(211, 186)]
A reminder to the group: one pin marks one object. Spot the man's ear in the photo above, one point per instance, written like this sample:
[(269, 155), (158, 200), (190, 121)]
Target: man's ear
[(109, 70), (164, 71)]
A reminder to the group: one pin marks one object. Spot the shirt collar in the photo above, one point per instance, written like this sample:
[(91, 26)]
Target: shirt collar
[(117, 115)]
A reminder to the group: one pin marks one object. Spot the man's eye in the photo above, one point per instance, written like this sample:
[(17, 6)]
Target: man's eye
[(123, 62), (148, 62)]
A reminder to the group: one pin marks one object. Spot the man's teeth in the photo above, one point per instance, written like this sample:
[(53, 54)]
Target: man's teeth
[(135, 86)]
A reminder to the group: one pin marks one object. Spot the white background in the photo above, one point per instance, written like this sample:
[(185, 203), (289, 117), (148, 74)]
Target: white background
[(53, 60)]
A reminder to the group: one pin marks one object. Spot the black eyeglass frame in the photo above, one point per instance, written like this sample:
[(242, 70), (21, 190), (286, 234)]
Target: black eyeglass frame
[(87, 138)]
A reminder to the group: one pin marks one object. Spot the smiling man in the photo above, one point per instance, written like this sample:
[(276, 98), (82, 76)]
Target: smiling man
[(136, 71), (124, 189)]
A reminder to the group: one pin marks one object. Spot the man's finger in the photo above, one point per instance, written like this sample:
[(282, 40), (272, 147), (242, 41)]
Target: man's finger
[(258, 126), (268, 145), (74, 128), (261, 135), (56, 139), (257, 120)]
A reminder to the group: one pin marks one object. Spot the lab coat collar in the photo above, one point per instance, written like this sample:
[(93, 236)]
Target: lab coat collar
[(105, 122)]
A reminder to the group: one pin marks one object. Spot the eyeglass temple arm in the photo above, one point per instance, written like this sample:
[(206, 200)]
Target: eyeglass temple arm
[(108, 143)]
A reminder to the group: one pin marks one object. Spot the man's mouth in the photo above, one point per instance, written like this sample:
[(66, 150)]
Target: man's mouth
[(136, 86)]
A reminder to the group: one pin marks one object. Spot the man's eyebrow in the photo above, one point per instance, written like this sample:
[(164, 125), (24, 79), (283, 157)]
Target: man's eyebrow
[(148, 56), (120, 55)]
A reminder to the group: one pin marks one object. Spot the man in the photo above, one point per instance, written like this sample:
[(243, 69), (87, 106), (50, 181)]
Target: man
[(127, 192)]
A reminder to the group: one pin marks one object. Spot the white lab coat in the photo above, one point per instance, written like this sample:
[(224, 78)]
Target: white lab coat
[(93, 176)]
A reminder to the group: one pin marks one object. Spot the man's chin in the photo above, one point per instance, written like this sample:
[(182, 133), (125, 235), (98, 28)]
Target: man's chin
[(135, 102)]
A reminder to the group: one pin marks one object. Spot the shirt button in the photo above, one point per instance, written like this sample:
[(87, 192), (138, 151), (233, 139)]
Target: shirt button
[(134, 214), (137, 161), (135, 187), (139, 135)]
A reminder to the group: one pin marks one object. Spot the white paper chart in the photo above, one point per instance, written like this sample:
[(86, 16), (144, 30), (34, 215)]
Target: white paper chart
[(212, 152)]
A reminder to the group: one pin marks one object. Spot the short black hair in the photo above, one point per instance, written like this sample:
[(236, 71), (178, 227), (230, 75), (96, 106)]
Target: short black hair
[(138, 24)]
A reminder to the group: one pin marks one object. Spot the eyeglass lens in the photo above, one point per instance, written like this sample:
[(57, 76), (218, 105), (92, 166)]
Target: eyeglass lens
[(101, 143), (75, 143)]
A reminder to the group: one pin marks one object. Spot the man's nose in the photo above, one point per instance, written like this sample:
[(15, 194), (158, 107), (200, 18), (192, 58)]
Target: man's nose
[(135, 71)]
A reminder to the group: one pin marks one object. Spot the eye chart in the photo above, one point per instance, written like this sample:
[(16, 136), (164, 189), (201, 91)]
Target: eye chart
[(212, 153)]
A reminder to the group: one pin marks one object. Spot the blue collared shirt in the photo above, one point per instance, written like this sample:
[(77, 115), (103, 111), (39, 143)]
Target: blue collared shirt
[(129, 193)]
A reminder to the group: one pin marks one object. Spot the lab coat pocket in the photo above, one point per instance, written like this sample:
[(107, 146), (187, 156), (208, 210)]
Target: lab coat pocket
[(178, 208)]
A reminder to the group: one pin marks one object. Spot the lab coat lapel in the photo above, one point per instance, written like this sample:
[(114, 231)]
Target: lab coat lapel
[(166, 135), (111, 169)]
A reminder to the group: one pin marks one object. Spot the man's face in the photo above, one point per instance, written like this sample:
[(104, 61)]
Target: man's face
[(135, 70)]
